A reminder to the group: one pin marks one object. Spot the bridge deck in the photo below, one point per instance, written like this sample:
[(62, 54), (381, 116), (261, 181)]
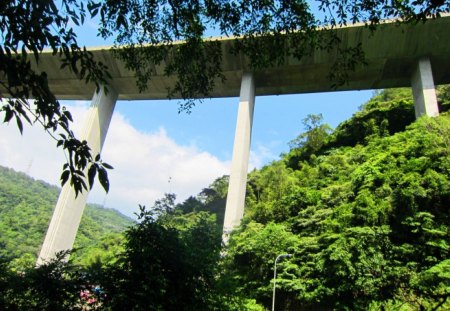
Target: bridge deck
[(391, 53)]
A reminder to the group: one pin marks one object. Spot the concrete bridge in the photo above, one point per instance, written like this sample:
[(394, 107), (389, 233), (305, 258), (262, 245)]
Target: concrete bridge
[(416, 56)]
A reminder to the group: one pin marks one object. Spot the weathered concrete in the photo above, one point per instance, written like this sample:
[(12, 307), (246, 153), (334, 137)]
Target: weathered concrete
[(425, 100), (68, 211), (239, 166)]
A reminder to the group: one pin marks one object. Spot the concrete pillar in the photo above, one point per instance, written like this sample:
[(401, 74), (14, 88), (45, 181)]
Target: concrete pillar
[(239, 166), (425, 100), (68, 211)]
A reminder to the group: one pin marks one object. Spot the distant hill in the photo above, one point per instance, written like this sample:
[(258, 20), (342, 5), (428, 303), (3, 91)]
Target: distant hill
[(26, 207)]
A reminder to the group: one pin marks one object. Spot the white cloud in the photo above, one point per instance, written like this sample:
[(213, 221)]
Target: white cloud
[(143, 162), (260, 155)]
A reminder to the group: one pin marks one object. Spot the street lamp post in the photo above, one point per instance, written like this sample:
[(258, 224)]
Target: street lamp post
[(275, 276)]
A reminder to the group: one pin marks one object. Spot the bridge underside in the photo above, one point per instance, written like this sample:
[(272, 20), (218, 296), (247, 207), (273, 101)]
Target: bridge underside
[(391, 53), (414, 56)]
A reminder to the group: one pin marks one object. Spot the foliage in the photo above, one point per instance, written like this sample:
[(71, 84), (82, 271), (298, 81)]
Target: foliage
[(443, 94), (55, 285), (169, 263), (211, 199), (26, 29), (250, 259), (367, 223), (311, 141), (166, 263), (376, 119), (102, 250), (386, 113)]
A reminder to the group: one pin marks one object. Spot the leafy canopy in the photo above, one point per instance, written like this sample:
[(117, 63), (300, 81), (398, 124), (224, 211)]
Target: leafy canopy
[(26, 29), (366, 216)]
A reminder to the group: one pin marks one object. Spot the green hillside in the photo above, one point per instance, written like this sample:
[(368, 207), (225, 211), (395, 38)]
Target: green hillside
[(363, 209), (26, 206)]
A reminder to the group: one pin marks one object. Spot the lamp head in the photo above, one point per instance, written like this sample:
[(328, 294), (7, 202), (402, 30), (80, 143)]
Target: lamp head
[(284, 256)]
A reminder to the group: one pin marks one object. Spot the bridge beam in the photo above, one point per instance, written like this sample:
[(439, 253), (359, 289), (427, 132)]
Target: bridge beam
[(68, 211), (424, 92), (234, 210)]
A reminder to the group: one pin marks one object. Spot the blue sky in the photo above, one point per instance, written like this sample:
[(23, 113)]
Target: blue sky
[(211, 124), (150, 143)]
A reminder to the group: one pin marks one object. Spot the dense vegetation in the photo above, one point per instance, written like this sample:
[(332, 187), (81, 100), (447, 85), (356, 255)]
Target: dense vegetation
[(26, 206), (363, 209)]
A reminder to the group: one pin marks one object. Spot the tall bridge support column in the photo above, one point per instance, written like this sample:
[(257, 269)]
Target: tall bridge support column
[(234, 210), (68, 211), (424, 92)]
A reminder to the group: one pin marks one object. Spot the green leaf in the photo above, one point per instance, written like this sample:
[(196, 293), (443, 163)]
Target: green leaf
[(64, 177), (91, 175), (103, 178), (68, 115), (109, 167), (8, 115), (19, 124)]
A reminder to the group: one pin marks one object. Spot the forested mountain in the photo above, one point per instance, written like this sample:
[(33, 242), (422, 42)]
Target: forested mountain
[(26, 207), (364, 209)]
